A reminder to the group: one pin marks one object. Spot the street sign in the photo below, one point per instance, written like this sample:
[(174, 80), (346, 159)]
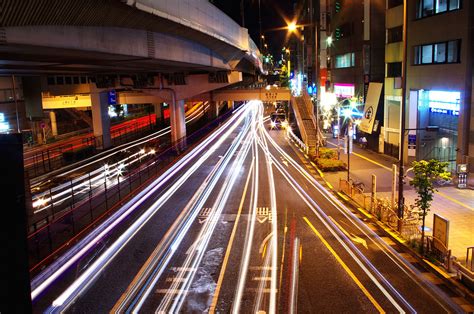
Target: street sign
[(42, 125), (112, 97)]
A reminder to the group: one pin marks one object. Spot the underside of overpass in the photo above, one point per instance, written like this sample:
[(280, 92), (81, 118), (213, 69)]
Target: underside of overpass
[(145, 51)]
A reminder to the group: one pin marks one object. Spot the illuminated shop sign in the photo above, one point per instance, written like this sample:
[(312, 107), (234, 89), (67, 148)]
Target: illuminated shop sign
[(443, 102), (452, 112), (4, 125), (344, 90)]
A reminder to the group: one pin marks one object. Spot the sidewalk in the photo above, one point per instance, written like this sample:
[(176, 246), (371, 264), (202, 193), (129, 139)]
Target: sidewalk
[(452, 203)]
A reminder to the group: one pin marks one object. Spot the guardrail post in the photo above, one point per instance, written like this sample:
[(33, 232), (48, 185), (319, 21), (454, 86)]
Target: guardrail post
[(106, 197), (42, 158), (118, 186), (90, 197), (51, 200)]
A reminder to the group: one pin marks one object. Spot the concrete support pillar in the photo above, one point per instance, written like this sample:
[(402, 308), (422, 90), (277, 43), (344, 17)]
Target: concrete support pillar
[(213, 110), (32, 96), (100, 117), (230, 105), (159, 114), (177, 121), (54, 124)]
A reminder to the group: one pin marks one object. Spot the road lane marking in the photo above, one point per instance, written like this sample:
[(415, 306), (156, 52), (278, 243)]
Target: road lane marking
[(263, 246), (212, 308), (262, 278), (351, 236), (263, 214), (454, 200), (346, 268), (204, 214)]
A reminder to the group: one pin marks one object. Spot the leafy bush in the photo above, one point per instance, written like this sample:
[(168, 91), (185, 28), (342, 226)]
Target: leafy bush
[(325, 164), (327, 153)]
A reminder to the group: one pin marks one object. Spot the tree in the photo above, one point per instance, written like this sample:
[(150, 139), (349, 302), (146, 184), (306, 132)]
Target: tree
[(284, 81), (426, 172)]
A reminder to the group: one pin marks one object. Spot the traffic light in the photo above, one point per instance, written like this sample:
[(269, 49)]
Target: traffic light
[(337, 6), (337, 33)]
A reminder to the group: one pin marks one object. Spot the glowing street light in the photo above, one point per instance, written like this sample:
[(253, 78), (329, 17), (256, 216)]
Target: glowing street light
[(292, 27), (329, 41)]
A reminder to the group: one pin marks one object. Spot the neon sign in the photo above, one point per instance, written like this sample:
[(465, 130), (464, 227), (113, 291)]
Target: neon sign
[(344, 90)]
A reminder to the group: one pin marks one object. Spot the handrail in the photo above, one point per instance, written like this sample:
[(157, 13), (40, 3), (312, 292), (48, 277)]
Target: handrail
[(295, 138), (471, 267)]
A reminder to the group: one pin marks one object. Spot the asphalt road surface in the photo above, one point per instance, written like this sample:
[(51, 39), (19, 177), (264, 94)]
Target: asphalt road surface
[(237, 225)]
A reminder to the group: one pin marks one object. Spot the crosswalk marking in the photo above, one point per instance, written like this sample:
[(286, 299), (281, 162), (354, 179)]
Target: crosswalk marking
[(265, 290), (175, 279), (173, 291), (177, 269), (260, 268)]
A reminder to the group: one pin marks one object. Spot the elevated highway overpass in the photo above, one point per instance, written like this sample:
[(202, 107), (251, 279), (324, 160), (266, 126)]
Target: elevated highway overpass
[(170, 50)]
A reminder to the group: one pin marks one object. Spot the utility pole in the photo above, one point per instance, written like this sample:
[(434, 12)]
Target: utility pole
[(401, 201), (260, 24), (349, 148), (16, 104)]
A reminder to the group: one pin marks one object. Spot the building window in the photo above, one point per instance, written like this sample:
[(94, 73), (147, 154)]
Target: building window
[(427, 54), (394, 69), (431, 7), (439, 53), (394, 3), (395, 34), (443, 52), (346, 60), (453, 51)]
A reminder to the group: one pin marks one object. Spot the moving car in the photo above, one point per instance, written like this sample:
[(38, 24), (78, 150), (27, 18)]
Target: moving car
[(278, 120)]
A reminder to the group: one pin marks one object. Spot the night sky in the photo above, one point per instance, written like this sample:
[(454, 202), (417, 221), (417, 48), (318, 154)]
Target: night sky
[(273, 13)]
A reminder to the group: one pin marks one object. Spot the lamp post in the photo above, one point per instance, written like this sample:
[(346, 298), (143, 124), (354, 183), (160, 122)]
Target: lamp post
[(401, 200), (349, 142)]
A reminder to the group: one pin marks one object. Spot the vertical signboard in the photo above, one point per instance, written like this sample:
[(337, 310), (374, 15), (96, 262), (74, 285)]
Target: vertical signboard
[(370, 108), (112, 97), (440, 231)]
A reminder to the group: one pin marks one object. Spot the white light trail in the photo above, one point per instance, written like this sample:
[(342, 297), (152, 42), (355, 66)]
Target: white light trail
[(94, 270), (58, 267)]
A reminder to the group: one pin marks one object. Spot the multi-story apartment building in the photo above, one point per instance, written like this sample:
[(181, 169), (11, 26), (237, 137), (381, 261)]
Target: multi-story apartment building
[(438, 84), (355, 49)]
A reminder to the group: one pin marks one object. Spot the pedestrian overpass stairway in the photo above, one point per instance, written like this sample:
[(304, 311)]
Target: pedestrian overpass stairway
[(79, 115), (301, 107)]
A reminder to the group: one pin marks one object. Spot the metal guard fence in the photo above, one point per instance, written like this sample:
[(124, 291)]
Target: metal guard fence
[(53, 158), (383, 211), (89, 206)]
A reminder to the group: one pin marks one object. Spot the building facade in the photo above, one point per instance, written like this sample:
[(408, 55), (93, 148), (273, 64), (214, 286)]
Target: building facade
[(355, 53), (438, 84)]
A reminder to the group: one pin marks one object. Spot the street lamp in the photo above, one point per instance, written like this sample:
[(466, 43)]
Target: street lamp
[(292, 27), (329, 41), (401, 201)]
